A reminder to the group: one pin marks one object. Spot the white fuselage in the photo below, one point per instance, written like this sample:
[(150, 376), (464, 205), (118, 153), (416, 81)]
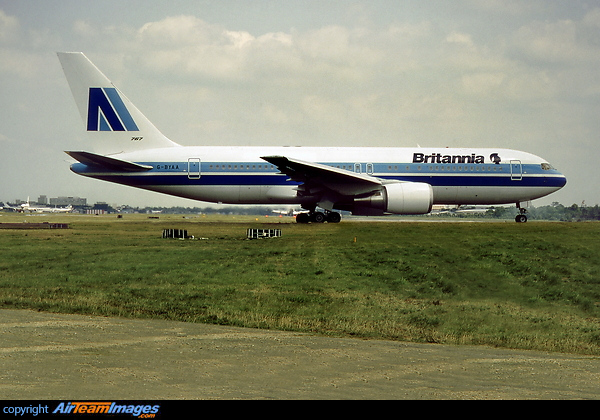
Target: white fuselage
[(238, 175)]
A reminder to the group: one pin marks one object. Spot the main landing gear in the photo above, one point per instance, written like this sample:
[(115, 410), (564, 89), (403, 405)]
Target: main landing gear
[(522, 216), (319, 217)]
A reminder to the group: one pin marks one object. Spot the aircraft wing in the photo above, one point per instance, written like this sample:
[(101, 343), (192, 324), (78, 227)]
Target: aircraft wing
[(93, 159), (317, 178)]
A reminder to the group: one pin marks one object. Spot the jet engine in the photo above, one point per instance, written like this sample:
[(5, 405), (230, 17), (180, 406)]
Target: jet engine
[(397, 198)]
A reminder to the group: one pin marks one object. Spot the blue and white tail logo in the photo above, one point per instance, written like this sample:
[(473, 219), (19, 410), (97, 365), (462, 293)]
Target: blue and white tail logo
[(107, 112)]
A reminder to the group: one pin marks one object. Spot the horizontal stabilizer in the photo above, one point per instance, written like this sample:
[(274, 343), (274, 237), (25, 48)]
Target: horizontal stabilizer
[(106, 162)]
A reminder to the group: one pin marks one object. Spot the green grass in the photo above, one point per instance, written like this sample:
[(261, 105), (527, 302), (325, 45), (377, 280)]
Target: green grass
[(528, 286)]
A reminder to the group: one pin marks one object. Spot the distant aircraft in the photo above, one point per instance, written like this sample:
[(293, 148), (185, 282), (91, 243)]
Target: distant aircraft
[(128, 149), (458, 210), (27, 207), (289, 212)]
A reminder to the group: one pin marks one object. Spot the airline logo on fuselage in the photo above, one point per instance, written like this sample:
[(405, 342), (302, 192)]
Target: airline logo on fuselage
[(440, 158), (107, 112)]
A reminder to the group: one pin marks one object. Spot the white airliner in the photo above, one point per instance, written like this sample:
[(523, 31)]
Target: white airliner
[(28, 208), (128, 149)]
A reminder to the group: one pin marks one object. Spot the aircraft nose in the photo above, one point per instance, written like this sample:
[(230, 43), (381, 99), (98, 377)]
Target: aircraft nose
[(562, 181), (558, 181)]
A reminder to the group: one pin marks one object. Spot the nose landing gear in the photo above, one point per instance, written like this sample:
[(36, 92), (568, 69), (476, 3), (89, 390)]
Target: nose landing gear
[(522, 216)]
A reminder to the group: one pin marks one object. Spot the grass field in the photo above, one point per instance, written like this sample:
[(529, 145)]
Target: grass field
[(528, 286)]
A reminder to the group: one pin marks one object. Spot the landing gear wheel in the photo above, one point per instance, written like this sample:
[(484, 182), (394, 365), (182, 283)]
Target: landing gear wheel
[(334, 217), (302, 218), (521, 218), (317, 217)]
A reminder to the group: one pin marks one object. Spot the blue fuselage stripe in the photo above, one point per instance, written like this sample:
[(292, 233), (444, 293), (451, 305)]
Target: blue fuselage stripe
[(226, 174)]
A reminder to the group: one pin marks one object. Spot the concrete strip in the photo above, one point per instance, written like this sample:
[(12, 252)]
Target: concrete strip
[(55, 356)]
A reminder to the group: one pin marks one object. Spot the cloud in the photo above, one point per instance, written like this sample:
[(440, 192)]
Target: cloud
[(9, 27), (592, 18), (180, 32), (509, 7), (335, 66), (566, 52), (5, 140), (412, 78), (482, 83), (22, 64), (84, 28), (459, 38), (563, 41), (189, 46)]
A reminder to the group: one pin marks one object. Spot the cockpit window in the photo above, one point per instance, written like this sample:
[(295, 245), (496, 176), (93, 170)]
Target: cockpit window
[(546, 166)]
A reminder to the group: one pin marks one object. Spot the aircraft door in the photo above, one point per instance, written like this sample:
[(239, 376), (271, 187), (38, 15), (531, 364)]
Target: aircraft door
[(194, 168), (361, 168), (516, 170)]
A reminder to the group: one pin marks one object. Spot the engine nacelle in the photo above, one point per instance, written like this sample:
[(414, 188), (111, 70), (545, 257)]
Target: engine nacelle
[(408, 198), (397, 198)]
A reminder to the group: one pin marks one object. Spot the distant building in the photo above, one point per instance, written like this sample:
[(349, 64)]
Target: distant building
[(96, 211), (100, 208), (68, 201)]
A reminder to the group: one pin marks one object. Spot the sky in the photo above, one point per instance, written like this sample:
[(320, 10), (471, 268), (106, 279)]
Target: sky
[(465, 73)]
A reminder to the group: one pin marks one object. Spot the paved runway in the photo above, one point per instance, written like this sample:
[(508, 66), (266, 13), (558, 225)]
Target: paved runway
[(54, 356)]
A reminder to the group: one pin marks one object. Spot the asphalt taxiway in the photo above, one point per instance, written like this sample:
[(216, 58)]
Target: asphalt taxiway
[(56, 356)]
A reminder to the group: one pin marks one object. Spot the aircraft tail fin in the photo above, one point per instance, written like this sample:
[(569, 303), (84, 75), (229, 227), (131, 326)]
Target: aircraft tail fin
[(112, 123)]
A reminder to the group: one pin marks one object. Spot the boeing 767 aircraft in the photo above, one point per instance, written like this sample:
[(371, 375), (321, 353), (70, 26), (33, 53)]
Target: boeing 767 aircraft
[(128, 149)]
